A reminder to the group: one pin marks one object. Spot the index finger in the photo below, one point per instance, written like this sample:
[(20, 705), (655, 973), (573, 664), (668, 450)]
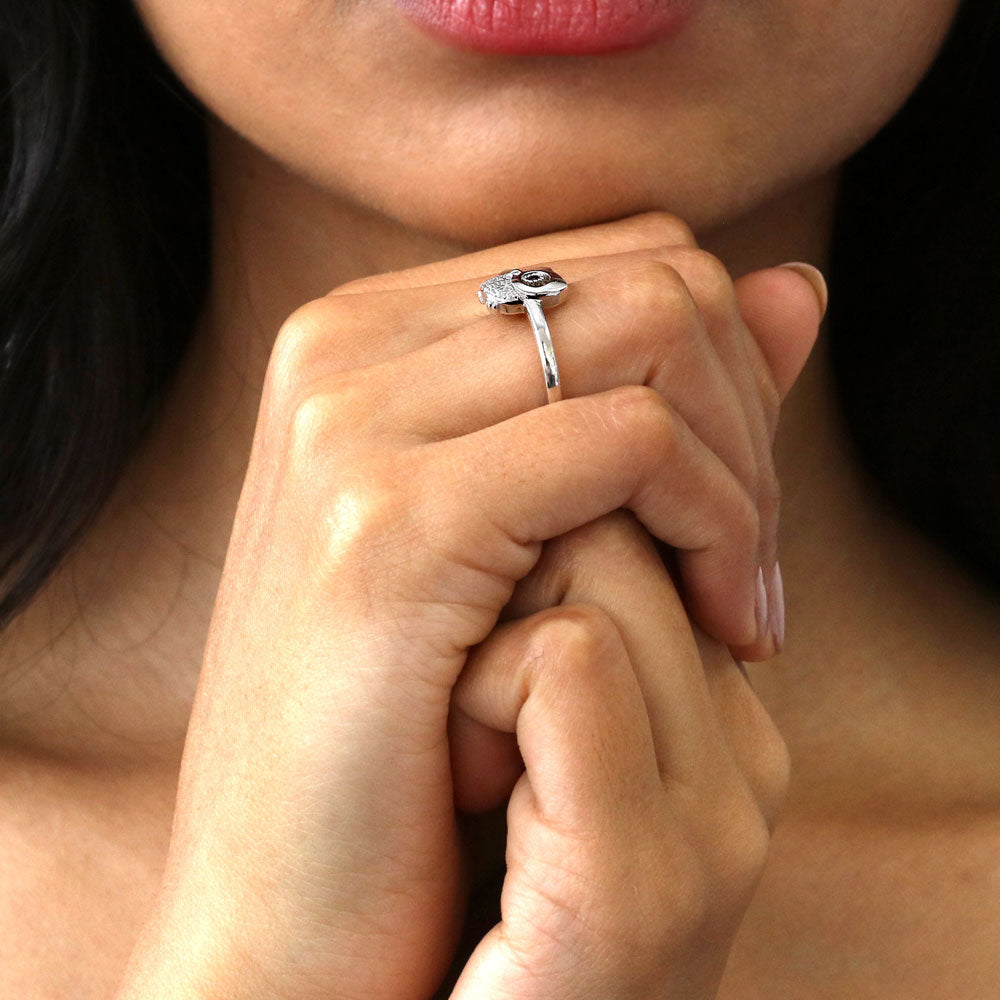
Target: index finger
[(636, 232), (613, 562)]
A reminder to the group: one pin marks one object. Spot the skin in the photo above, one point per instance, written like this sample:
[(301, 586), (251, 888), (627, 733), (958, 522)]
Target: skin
[(886, 641)]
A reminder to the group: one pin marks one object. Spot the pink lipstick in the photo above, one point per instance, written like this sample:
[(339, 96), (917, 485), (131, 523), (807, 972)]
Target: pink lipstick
[(550, 27)]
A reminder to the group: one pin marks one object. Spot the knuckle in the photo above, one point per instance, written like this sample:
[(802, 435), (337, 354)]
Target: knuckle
[(302, 341), (771, 772), (713, 276), (746, 844), (707, 277), (729, 842), (295, 345), (686, 896), (363, 512), (574, 634), (579, 552), (309, 428), (654, 294), (647, 415), (319, 424), (663, 227)]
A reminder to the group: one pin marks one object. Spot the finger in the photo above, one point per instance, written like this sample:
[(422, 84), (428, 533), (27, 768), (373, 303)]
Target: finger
[(753, 740), (554, 468), (590, 816), (485, 760), (703, 714), (636, 324), (629, 320), (612, 563), (421, 315), (671, 321), (697, 695), (645, 230), (563, 682), (754, 387), (584, 819), (438, 397), (783, 307)]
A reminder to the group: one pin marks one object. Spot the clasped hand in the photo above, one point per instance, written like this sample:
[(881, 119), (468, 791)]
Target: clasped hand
[(439, 594)]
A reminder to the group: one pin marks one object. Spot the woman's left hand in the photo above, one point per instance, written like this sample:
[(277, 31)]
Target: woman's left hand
[(645, 789)]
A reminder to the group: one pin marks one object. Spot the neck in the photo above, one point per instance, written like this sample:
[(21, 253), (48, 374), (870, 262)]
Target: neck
[(887, 686), (101, 669)]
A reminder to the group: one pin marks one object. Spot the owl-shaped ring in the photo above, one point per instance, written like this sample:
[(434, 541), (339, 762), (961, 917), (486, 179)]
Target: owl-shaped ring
[(530, 290)]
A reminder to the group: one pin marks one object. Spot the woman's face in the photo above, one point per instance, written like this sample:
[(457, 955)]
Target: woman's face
[(747, 98)]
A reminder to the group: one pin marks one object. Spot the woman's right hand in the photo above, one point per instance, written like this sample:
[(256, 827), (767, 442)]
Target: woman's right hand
[(391, 503)]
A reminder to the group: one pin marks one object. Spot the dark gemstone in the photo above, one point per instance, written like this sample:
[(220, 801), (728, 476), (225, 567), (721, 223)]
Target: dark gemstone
[(535, 278)]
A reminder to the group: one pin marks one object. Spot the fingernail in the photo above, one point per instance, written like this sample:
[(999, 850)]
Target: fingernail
[(776, 608), (760, 605), (815, 278)]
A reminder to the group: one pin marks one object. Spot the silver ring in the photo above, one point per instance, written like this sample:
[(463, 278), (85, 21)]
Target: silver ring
[(530, 290)]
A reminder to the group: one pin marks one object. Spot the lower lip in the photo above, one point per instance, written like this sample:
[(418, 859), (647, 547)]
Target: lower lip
[(550, 27)]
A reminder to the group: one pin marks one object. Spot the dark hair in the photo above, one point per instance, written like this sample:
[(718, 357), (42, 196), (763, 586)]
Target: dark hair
[(104, 233), (104, 257)]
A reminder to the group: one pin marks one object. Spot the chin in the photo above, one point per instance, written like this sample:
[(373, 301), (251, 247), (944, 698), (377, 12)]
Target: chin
[(480, 197)]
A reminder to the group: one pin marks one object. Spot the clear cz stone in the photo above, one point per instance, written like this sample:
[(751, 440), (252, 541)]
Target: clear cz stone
[(499, 291)]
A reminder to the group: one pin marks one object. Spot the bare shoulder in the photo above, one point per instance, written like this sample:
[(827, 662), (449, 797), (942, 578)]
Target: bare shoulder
[(78, 874)]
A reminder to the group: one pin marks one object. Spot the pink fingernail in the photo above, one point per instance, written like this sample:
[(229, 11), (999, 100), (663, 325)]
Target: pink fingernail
[(760, 604), (815, 278), (776, 608)]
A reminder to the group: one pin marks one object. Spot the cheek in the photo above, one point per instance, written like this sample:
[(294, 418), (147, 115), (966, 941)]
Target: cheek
[(855, 62), (250, 61), (825, 76)]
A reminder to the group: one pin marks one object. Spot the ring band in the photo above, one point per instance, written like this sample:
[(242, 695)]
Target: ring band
[(530, 290)]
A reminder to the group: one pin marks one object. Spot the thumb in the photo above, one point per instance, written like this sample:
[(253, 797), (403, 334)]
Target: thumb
[(783, 307)]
